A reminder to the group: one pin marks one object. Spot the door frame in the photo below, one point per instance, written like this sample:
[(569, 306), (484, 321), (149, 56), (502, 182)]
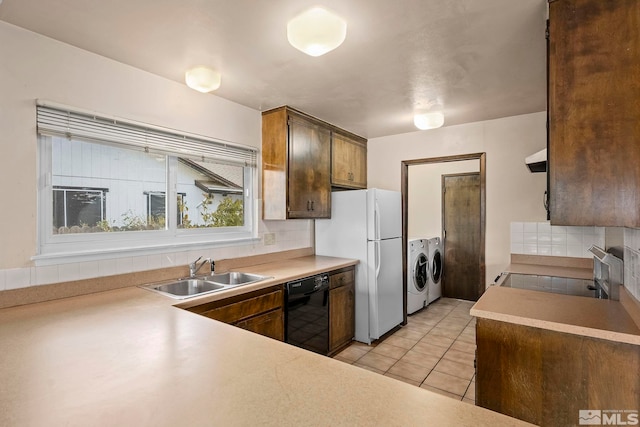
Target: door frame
[(404, 182), (482, 282)]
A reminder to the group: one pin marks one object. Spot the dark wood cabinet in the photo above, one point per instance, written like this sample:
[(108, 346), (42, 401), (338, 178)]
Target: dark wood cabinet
[(260, 311), (348, 161), (546, 377), (594, 113), (296, 166), (341, 309)]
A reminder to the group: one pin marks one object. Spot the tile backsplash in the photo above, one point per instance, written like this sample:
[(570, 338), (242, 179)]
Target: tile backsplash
[(632, 261), (542, 238), (288, 235)]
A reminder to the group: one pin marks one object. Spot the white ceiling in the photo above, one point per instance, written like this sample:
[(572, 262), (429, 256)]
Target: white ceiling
[(481, 59)]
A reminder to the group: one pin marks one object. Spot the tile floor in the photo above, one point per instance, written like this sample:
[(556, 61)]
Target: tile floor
[(435, 350)]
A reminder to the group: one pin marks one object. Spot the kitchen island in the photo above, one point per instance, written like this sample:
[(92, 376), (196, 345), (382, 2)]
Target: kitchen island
[(543, 357), (131, 357)]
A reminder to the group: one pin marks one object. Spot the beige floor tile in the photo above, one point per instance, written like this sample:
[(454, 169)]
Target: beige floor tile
[(469, 401), (438, 340), (377, 361), (352, 353), (459, 356), (417, 358), (471, 392), (437, 330), (424, 320), (342, 359), (406, 380), (451, 326), (430, 349), (368, 368), (418, 327), (468, 338), (401, 342), (456, 369), (390, 350), (441, 392), (410, 371), (447, 383), (464, 347), (409, 334), (363, 346)]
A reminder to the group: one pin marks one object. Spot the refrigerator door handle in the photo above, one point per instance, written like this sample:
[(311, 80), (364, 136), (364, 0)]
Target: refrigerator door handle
[(378, 259)]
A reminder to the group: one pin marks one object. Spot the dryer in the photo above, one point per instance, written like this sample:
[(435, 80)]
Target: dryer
[(436, 261), (417, 275)]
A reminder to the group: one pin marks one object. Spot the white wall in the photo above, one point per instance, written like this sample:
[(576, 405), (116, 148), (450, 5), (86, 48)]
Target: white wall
[(425, 196), (513, 193), (35, 67)]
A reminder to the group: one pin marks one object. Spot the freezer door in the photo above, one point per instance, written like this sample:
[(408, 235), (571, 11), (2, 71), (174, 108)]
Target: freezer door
[(385, 286), (384, 214)]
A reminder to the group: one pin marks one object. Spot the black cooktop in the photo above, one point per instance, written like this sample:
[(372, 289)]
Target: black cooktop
[(558, 285)]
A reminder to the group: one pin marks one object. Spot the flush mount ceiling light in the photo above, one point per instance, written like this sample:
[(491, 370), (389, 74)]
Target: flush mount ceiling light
[(202, 79), (431, 120), (316, 31)]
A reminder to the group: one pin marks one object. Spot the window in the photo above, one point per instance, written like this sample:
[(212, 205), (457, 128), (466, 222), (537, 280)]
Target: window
[(78, 207), (105, 186)]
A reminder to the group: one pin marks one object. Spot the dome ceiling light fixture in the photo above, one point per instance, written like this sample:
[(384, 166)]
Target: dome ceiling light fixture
[(432, 118), (316, 31), (203, 79)]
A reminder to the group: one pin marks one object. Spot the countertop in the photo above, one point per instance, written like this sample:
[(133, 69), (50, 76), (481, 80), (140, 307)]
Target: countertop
[(596, 318), (130, 357)]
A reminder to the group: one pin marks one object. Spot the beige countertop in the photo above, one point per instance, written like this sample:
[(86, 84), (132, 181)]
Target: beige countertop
[(128, 357), (585, 316)]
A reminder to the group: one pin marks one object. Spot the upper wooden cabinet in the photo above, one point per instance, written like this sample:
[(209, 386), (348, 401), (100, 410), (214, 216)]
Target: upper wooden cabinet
[(348, 161), (296, 168), (302, 157), (594, 113)]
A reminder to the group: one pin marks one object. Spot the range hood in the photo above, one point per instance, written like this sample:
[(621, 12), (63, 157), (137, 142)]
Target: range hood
[(537, 162)]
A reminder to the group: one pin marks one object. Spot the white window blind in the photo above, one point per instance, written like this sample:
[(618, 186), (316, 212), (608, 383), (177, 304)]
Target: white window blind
[(55, 120)]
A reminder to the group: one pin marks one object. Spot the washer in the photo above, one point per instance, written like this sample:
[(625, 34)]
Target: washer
[(417, 275), (436, 261)]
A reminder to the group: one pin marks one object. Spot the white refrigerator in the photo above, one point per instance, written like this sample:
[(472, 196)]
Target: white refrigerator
[(367, 225)]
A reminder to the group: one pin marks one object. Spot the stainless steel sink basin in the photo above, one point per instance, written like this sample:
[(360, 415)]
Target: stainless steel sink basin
[(197, 286), (185, 288), (236, 278)]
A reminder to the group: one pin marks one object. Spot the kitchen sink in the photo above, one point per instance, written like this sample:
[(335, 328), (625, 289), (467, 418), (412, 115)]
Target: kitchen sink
[(235, 278), (197, 286), (185, 288)]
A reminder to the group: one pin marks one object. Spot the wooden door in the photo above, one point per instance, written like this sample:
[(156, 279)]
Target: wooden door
[(309, 193), (461, 222)]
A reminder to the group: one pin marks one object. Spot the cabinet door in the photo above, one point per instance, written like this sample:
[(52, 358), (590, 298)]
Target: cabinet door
[(594, 113), (269, 324), (341, 316), (239, 310), (309, 194), (348, 162)]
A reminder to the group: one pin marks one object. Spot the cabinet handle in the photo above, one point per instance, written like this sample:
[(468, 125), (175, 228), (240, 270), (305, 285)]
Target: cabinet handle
[(308, 205), (312, 205)]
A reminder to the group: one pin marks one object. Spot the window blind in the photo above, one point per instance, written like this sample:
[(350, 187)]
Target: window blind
[(54, 120)]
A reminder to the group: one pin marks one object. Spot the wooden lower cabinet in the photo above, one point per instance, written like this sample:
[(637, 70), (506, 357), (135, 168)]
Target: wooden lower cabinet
[(341, 309), (546, 377), (260, 311)]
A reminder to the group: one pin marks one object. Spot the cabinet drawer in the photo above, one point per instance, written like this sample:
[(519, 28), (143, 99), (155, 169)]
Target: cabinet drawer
[(269, 324), (341, 279), (241, 310)]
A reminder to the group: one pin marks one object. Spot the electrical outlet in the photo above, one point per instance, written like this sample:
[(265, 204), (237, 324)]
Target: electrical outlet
[(269, 238)]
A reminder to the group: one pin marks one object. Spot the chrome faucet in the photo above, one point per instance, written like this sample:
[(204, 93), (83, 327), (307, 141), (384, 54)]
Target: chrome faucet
[(194, 267)]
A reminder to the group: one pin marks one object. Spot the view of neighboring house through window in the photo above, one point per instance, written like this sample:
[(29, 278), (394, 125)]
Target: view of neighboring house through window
[(116, 179), (209, 194)]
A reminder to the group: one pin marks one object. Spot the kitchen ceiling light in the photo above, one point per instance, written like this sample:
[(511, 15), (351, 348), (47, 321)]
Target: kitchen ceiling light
[(429, 120), (316, 31), (202, 79)]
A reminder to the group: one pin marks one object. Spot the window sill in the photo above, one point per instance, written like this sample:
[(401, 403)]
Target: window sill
[(132, 251)]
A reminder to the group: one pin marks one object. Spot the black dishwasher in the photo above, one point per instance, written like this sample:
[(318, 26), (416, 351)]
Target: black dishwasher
[(307, 313)]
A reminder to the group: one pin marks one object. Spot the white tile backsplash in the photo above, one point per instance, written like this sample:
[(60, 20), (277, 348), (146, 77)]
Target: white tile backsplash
[(542, 238)]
